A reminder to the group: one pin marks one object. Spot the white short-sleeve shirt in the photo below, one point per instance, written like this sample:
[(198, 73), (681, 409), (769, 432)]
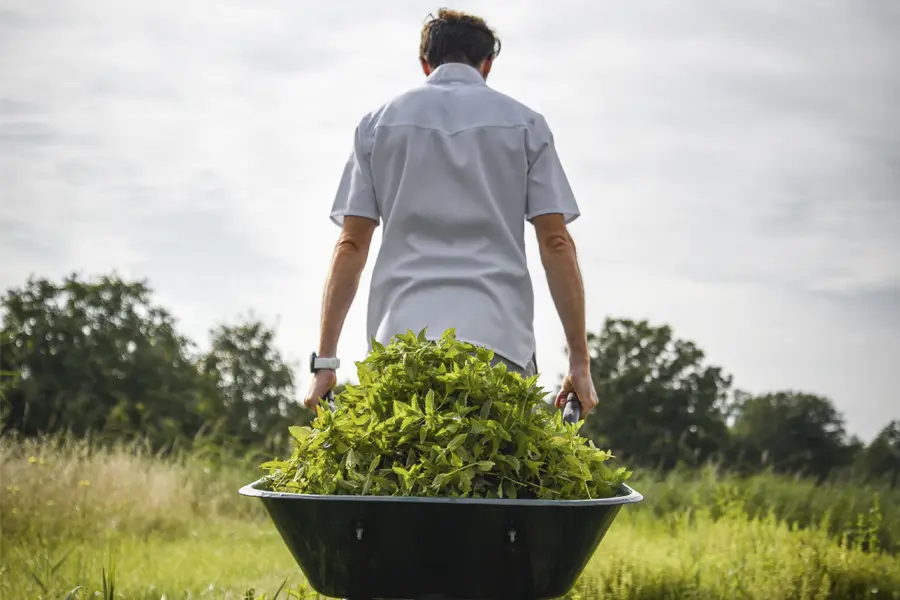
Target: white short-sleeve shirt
[(452, 170)]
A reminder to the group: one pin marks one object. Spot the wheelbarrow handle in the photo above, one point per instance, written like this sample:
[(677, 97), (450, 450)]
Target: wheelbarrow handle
[(328, 399), (572, 410)]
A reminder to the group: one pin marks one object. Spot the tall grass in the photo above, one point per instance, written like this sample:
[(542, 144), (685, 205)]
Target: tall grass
[(64, 486), (137, 525), (846, 511)]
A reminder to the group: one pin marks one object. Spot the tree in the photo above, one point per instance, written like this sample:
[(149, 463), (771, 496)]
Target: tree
[(659, 404), (792, 432), (254, 383), (881, 460), (96, 356)]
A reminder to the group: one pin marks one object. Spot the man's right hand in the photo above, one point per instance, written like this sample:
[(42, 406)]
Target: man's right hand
[(322, 383), (578, 381)]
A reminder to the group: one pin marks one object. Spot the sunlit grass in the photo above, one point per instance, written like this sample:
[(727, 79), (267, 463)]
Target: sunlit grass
[(78, 490), (214, 560), (176, 528), (843, 509), (693, 556)]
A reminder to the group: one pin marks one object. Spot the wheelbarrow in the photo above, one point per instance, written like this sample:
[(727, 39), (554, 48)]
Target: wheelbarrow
[(395, 547)]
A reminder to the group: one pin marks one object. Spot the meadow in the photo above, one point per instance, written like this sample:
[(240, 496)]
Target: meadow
[(81, 521)]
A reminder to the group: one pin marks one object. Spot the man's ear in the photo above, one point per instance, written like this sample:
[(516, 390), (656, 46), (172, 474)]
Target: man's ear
[(426, 68), (486, 66)]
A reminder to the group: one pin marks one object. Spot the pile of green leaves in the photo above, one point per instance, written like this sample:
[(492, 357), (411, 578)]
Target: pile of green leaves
[(435, 418)]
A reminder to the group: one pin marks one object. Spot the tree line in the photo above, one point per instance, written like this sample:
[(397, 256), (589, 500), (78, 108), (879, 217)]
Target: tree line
[(98, 357), (661, 405)]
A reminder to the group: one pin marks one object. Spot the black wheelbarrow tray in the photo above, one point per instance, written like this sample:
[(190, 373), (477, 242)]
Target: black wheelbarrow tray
[(396, 547)]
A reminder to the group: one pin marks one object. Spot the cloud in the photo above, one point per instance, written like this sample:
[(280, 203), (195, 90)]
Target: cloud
[(743, 128), (738, 164), (23, 135), (12, 107)]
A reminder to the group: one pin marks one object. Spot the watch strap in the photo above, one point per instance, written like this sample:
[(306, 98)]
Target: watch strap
[(319, 363)]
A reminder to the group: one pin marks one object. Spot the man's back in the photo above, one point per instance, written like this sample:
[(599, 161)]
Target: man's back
[(456, 169), (453, 170)]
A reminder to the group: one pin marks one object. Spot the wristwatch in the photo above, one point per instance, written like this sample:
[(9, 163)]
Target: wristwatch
[(317, 363)]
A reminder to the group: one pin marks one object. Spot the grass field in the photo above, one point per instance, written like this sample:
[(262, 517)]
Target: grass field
[(153, 528)]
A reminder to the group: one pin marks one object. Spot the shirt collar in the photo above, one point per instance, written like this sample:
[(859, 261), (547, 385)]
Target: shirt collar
[(456, 73)]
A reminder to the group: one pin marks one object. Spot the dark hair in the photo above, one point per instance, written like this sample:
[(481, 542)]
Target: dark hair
[(455, 36)]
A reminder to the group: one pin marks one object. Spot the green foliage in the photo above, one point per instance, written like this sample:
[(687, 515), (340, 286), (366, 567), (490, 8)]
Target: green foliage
[(865, 515), (83, 488), (93, 356), (253, 383), (661, 407), (659, 404), (791, 432), (881, 460), (434, 418), (99, 358)]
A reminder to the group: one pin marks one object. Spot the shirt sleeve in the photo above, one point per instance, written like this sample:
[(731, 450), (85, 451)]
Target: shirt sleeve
[(356, 191), (548, 190)]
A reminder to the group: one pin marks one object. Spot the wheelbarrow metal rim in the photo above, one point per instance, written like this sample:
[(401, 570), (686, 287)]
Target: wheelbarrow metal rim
[(631, 496)]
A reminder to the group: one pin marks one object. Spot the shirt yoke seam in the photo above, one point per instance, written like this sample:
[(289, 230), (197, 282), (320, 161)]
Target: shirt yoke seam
[(451, 133)]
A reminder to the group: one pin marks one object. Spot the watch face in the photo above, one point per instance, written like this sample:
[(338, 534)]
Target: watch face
[(312, 362)]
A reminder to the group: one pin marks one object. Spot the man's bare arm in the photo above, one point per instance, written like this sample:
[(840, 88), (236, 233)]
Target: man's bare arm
[(348, 261), (560, 262)]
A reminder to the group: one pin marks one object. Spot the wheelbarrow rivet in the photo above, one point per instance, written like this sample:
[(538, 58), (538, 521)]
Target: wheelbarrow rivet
[(512, 536)]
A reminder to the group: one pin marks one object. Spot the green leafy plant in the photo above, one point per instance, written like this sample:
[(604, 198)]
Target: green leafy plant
[(435, 418)]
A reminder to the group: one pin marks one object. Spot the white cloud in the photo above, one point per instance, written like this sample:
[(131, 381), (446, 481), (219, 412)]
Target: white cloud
[(737, 164)]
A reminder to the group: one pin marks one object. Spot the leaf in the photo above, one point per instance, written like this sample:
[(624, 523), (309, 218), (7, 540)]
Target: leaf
[(509, 489), (463, 454), (274, 464), (465, 485), (299, 433), (429, 403), (457, 441), (513, 462), (374, 464), (486, 408)]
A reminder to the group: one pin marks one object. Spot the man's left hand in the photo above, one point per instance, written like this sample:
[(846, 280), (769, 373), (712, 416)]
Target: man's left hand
[(322, 383)]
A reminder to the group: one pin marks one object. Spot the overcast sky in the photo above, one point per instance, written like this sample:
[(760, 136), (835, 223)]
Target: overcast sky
[(737, 164)]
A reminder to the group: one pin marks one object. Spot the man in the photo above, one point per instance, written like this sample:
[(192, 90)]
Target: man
[(453, 170)]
